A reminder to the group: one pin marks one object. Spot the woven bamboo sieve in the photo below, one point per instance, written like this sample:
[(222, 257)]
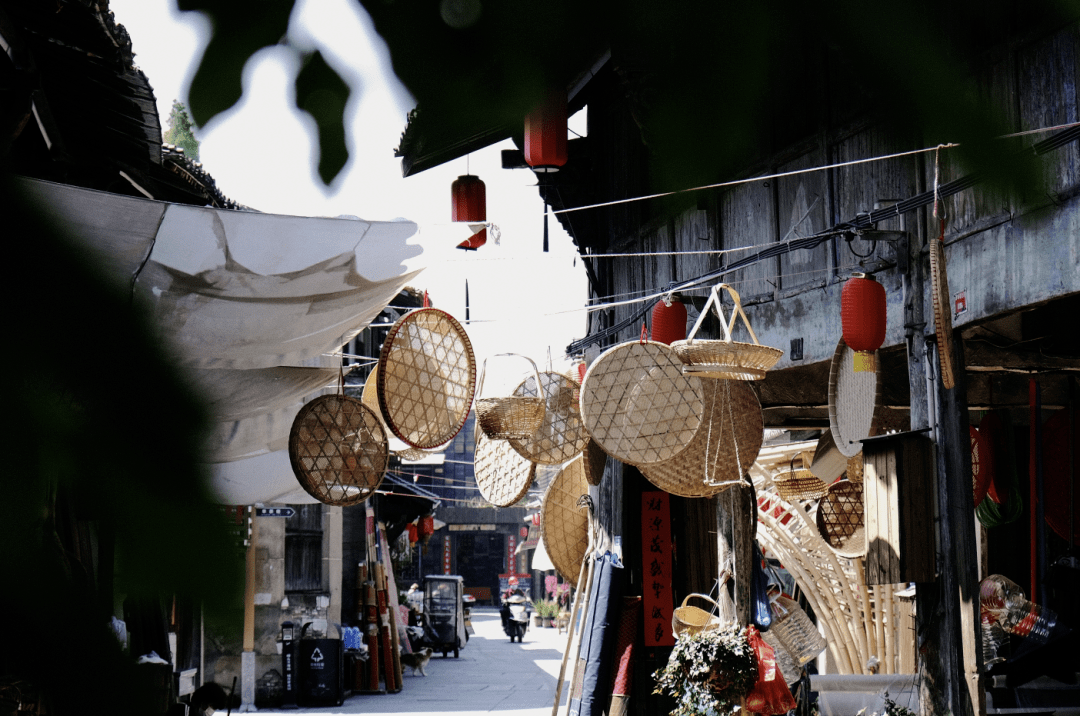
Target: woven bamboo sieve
[(515, 416), (726, 358), (637, 404), (798, 483), (854, 399), (564, 525), (337, 447), (502, 475), (795, 631), (426, 378), (595, 461), (724, 448), (370, 398), (562, 433), (840, 519)]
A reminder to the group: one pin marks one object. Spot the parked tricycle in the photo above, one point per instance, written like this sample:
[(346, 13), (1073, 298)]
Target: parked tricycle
[(444, 614)]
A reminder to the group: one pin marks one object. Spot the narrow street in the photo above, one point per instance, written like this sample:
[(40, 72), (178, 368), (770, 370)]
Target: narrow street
[(490, 676)]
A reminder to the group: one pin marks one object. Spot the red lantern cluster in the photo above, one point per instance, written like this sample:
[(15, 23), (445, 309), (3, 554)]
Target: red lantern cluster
[(669, 321), (545, 134), (469, 196), (862, 312)]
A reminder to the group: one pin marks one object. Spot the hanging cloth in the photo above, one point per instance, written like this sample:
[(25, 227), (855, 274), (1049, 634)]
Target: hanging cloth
[(1006, 503), (593, 672), (622, 677), (759, 591)]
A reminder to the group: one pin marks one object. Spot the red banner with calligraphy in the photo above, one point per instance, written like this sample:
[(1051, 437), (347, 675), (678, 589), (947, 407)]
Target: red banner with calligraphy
[(656, 568), (446, 555)]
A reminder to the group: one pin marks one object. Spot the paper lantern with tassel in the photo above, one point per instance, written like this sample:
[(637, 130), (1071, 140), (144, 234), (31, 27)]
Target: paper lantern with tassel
[(469, 197), (545, 134), (413, 533), (862, 312), (669, 321)]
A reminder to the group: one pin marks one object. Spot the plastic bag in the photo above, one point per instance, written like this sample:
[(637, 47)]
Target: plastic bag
[(769, 695)]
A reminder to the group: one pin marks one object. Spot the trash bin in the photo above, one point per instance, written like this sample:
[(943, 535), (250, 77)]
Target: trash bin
[(321, 662)]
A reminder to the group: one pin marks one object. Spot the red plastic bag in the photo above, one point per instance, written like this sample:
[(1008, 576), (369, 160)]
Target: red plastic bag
[(770, 695)]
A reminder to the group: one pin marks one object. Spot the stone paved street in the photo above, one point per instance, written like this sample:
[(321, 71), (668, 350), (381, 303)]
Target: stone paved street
[(491, 676)]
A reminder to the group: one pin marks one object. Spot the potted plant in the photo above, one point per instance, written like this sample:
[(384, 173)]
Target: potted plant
[(708, 672), (547, 609)]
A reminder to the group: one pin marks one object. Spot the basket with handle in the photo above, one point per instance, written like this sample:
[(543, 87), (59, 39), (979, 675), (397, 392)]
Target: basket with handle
[(514, 416), (796, 632), (798, 483), (725, 358), (693, 619)]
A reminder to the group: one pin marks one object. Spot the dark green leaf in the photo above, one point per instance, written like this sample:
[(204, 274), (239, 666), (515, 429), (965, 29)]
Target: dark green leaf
[(322, 93)]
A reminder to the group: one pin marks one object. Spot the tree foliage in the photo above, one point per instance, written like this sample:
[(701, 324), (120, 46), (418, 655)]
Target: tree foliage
[(181, 131)]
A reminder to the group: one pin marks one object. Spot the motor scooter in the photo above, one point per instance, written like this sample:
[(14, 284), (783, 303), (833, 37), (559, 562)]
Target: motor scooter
[(516, 616)]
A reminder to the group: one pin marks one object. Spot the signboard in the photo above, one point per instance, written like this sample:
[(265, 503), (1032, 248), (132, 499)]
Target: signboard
[(472, 528), (656, 568), (446, 555), (511, 554), (274, 512)]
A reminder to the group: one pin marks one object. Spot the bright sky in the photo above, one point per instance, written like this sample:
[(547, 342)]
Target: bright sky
[(261, 154)]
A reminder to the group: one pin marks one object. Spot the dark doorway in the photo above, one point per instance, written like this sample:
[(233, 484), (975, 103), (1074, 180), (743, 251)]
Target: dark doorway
[(480, 559)]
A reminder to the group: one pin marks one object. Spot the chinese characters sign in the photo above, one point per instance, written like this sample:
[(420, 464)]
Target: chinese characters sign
[(446, 555), (656, 568), (511, 557)]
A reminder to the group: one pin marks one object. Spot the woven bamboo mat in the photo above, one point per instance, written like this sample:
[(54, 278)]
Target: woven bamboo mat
[(503, 476), (725, 446), (338, 450), (426, 378), (562, 433), (637, 404), (564, 526)]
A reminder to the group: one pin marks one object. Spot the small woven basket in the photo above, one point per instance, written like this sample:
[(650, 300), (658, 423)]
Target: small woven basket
[(799, 483), (514, 416), (726, 358), (695, 619), (795, 631)]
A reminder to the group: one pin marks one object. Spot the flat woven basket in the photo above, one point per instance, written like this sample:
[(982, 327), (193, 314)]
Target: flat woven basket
[(595, 461), (338, 451), (426, 378), (564, 526), (637, 404), (503, 476), (512, 416), (840, 519), (939, 280), (798, 483), (854, 398), (726, 358), (723, 449), (562, 433)]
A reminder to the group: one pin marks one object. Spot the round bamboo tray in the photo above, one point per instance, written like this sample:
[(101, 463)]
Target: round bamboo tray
[(564, 526), (562, 433), (854, 398), (338, 451), (724, 448), (426, 378), (595, 461), (637, 404), (840, 519), (503, 476), (939, 280)]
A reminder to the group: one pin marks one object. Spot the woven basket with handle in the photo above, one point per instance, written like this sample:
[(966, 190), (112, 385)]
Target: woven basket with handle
[(514, 416), (798, 483), (726, 358), (693, 619)]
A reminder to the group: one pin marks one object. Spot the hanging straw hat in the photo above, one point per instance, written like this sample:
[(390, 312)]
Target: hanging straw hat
[(564, 524), (724, 448), (338, 451), (426, 378)]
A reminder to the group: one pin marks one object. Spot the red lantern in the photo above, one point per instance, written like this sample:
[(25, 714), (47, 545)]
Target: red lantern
[(427, 525), (413, 533), (862, 312), (669, 321), (469, 196), (545, 134)]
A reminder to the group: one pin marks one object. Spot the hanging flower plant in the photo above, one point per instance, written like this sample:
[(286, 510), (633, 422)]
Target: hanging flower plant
[(708, 672)]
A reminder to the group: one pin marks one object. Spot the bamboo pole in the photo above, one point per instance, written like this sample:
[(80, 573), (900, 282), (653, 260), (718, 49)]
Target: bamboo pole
[(578, 597), (890, 638), (866, 627)]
